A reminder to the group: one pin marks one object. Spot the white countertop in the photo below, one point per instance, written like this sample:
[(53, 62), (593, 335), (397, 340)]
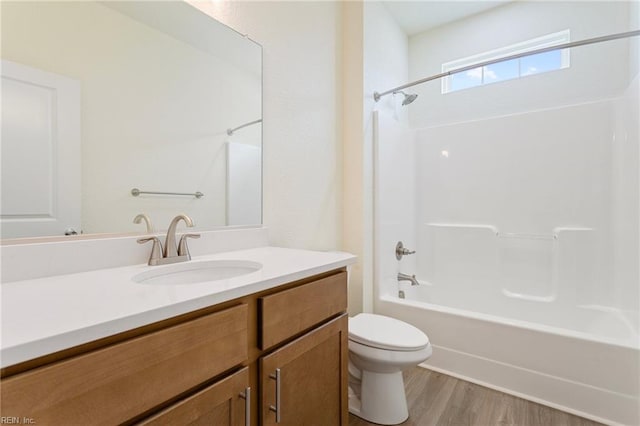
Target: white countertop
[(45, 315)]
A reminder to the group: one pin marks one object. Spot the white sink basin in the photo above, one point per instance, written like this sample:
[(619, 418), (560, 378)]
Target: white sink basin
[(197, 272)]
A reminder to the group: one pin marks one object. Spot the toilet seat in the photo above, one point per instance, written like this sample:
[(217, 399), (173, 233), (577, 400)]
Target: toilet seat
[(382, 332)]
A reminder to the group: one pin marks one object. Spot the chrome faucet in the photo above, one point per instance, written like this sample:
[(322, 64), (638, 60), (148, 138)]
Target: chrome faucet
[(171, 253), (407, 277)]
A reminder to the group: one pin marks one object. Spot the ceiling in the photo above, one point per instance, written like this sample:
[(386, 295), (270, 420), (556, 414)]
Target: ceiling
[(418, 16)]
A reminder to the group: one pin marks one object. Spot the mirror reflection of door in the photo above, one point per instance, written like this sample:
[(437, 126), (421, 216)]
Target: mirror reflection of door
[(162, 82), (40, 152)]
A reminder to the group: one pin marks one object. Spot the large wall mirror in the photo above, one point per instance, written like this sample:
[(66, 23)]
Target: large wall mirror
[(104, 102)]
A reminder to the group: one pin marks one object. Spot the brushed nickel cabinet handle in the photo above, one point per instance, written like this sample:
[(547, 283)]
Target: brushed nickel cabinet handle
[(276, 409), (246, 395)]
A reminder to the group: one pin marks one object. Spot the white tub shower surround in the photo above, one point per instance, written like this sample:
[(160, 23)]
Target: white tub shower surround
[(526, 231)]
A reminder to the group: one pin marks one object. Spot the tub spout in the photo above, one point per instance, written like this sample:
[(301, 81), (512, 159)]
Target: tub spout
[(407, 277)]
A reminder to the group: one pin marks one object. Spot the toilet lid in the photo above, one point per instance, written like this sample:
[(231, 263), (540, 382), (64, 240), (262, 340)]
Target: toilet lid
[(386, 333)]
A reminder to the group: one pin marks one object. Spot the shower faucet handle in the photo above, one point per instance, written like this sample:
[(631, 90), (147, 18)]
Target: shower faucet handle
[(402, 251)]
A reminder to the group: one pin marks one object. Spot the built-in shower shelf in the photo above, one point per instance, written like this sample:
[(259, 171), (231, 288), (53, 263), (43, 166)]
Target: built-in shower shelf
[(537, 267), (527, 236), (553, 236), (464, 225)]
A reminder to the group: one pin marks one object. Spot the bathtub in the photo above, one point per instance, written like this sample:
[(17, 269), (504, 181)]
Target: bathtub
[(590, 366)]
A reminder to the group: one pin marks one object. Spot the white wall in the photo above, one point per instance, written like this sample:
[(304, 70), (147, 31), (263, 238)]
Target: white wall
[(302, 106), (634, 45), (149, 102), (596, 72), (552, 154), (385, 147), (395, 201), (625, 197), (540, 173), (386, 61), (354, 225)]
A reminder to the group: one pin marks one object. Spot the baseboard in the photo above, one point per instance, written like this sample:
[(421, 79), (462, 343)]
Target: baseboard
[(583, 400)]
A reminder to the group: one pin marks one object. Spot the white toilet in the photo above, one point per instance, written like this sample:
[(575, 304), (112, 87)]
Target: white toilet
[(380, 348)]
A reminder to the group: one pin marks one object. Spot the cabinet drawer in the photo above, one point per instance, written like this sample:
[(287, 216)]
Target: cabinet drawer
[(219, 404), (289, 312), (119, 382)]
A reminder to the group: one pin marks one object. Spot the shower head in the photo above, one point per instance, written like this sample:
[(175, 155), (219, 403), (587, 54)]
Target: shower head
[(407, 98)]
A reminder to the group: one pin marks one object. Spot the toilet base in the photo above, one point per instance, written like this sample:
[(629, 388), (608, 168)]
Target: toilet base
[(382, 399)]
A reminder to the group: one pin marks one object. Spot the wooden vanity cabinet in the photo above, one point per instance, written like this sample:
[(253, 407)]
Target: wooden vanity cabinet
[(311, 374), (212, 366), (287, 313), (304, 382), (116, 383), (224, 403)]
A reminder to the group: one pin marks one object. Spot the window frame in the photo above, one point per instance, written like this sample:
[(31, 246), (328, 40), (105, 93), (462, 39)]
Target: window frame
[(547, 40)]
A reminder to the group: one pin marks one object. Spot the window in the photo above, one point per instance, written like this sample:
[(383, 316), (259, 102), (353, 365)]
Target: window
[(508, 70)]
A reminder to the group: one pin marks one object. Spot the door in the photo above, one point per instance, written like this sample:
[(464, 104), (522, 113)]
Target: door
[(305, 382), (40, 152), (225, 403)]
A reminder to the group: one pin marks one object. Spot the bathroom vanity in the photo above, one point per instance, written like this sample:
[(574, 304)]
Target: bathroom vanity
[(263, 348), (87, 339)]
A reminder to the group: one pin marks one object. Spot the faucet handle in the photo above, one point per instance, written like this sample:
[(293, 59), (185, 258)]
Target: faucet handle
[(402, 251), (183, 249), (156, 249)]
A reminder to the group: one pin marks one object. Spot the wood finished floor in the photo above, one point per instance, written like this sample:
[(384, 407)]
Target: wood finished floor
[(438, 399)]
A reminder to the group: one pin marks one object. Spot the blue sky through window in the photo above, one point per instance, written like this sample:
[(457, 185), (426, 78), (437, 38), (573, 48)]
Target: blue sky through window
[(508, 70), (501, 71), (464, 80), (541, 62)]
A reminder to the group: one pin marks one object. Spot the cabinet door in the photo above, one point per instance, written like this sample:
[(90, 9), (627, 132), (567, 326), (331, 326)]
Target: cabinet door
[(226, 402), (311, 374)]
